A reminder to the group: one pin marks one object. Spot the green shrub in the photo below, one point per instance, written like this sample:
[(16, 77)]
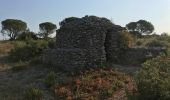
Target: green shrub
[(50, 79), (51, 43), (67, 20), (28, 50), (153, 79), (27, 36), (33, 93), (156, 43)]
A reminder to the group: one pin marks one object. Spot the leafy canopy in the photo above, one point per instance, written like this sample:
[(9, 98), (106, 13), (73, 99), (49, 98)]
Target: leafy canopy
[(13, 27), (47, 28), (141, 26)]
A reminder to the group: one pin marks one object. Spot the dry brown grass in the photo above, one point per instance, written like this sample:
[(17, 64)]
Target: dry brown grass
[(5, 47)]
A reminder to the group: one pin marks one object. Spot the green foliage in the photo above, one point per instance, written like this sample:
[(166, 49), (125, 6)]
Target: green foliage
[(51, 42), (156, 43), (50, 79), (145, 27), (131, 26), (33, 93), (28, 50), (141, 26), (66, 20), (135, 34), (71, 19), (47, 28), (153, 79), (27, 36), (13, 27)]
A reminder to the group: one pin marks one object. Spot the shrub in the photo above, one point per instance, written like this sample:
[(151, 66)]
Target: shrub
[(28, 50), (33, 93), (50, 79), (27, 36), (51, 42), (155, 43), (153, 79), (67, 20)]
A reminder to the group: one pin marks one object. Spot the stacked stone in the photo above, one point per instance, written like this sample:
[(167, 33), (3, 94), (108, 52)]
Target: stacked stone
[(80, 43), (112, 43), (136, 56), (90, 41)]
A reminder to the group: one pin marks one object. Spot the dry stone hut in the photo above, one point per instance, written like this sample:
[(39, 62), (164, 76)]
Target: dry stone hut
[(81, 42), (84, 42)]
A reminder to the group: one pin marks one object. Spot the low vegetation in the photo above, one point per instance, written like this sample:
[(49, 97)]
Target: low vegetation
[(33, 93), (27, 50), (126, 40), (50, 79), (5, 47), (97, 84), (19, 66), (150, 82), (154, 41), (153, 80)]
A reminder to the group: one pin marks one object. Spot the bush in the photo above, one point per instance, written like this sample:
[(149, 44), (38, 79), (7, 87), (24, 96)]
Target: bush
[(33, 93), (67, 20), (27, 36), (50, 79), (153, 79), (155, 43), (25, 51)]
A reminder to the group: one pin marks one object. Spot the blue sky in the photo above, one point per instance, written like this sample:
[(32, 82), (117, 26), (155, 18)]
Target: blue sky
[(119, 11)]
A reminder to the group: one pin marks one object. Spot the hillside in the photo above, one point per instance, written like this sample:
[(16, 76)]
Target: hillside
[(16, 77)]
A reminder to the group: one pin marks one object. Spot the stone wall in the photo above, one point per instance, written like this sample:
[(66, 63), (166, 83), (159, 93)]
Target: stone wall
[(136, 56), (80, 43), (66, 59), (112, 44), (90, 41)]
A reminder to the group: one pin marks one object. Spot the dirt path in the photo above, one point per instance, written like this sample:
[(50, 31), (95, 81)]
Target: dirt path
[(14, 83)]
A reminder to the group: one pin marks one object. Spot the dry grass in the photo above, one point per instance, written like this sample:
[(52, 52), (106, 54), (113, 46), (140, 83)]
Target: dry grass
[(14, 83), (5, 47)]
